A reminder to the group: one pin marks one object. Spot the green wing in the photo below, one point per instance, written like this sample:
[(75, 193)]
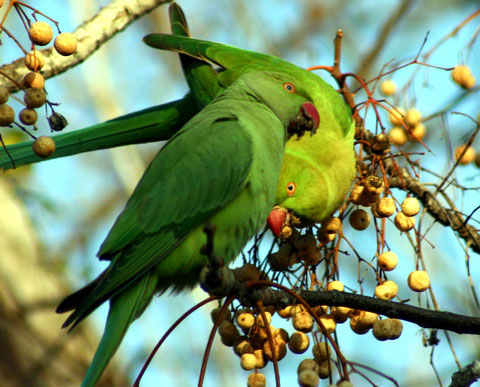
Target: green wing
[(179, 191), (156, 123)]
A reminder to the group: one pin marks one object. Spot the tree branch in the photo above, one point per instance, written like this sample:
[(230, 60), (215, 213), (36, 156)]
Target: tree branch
[(91, 35)]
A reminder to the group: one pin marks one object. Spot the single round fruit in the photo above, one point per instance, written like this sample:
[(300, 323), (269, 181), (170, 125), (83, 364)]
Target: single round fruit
[(388, 87), (34, 60), (335, 285), (28, 116), (463, 77), (279, 349), (397, 136), (261, 322), (245, 320), (256, 379), (228, 333), (413, 117), (359, 219), (418, 131), (40, 33), (308, 364), (248, 361), (43, 146), (302, 321), (322, 351), (34, 98), (418, 281), (328, 322), (298, 342), (388, 260), (33, 80), (384, 207), (4, 93), (396, 116), (410, 206), (308, 378), (468, 157), (387, 290), (65, 44), (7, 115), (403, 222)]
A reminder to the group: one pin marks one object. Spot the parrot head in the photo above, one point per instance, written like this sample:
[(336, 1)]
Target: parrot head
[(285, 95)]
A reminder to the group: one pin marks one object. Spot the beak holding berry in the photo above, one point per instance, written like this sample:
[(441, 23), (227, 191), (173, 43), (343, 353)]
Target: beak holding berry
[(279, 220)]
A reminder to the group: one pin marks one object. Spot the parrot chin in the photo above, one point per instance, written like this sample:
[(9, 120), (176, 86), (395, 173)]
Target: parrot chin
[(277, 219)]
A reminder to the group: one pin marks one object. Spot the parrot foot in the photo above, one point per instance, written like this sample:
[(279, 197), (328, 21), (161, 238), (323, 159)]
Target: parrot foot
[(215, 278)]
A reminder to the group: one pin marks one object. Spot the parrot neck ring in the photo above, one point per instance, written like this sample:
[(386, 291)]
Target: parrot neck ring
[(307, 120)]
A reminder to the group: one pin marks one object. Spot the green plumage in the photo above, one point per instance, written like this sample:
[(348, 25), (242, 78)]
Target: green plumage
[(223, 168)]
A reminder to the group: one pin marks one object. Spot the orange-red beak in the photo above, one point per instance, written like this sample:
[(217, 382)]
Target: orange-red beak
[(276, 220)]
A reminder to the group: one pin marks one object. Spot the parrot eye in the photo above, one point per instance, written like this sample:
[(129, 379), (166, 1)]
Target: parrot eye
[(291, 188), (289, 87)]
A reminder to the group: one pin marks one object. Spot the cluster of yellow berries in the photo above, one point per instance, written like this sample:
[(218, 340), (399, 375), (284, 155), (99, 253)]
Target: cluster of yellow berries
[(33, 83)]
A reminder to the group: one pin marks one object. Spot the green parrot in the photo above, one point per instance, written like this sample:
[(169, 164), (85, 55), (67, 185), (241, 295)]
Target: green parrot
[(222, 167)]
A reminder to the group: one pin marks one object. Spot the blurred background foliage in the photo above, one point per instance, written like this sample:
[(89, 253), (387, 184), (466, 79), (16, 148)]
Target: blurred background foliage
[(72, 202)]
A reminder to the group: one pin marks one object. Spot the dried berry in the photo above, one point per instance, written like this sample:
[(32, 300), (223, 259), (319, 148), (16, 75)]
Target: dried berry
[(4, 93), (410, 206), (34, 98), (418, 281), (359, 219), (403, 222), (57, 122), (298, 342), (34, 60), (388, 260), (256, 379), (33, 80), (40, 33), (7, 115), (43, 146), (65, 44), (28, 116)]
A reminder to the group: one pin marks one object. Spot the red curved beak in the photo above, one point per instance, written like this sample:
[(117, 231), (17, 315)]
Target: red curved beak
[(276, 219), (311, 111)]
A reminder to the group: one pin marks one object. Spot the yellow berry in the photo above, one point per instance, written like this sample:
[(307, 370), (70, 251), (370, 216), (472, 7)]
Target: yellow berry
[(410, 206), (261, 359), (387, 261), (403, 222), (388, 87), (418, 131), (335, 285), (413, 117), (285, 312), (463, 77), (40, 33), (396, 116), (65, 44), (328, 322), (256, 379), (33, 80), (248, 361), (279, 349), (341, 313), (384, 207), (260, 321), (387, 290), (397, 136), (34, 60), (359, 219), (418, 281), (245, 320), (468, 157), (367, 318), (302, 321), (43, 146)]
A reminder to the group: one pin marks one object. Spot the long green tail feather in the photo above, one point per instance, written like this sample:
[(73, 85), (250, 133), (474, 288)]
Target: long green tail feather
[(124, 309), (156, 123), (202, 78)]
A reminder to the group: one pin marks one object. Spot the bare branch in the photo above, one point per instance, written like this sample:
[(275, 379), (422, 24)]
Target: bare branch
[(91, 35)]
